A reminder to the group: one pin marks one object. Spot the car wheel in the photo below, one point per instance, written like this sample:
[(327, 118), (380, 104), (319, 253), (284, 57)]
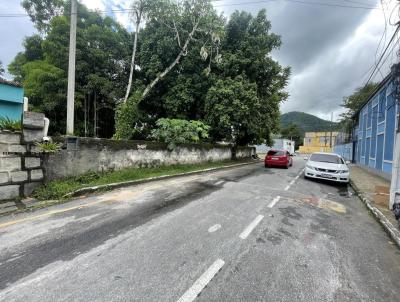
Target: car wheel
[(287, 166), (266, 166)]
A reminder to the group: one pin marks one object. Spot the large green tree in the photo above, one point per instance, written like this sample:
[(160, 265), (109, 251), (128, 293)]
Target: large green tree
[(42, 11), (233, 110), (187, 63), (246, 55), (171, 66), (103, 49)]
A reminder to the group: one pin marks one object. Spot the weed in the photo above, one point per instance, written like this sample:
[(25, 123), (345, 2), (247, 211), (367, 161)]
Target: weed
[(9, 124), (48, 147)]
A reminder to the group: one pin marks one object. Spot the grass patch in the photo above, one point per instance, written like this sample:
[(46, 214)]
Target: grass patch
[(56, 189)]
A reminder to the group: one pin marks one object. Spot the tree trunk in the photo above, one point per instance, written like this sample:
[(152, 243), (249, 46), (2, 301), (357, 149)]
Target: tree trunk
[(85, 114), (95, 116), (128, 89), (172, 65)]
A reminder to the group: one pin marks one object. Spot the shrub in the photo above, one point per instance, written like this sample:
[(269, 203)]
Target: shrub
[(176, 131)]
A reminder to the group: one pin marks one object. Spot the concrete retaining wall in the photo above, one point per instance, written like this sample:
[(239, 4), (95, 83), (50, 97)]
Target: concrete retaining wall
[(108, 155), (20, 165)]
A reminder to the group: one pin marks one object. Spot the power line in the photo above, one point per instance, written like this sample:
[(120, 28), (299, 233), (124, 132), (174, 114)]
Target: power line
[(311, 3), (382, 55)]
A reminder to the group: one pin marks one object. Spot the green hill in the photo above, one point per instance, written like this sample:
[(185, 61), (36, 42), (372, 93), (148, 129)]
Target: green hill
[(307, 122)]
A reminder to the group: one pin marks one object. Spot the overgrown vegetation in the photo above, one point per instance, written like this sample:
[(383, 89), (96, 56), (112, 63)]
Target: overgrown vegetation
[(186, 61), (175, 131), (58, 188), (7, 123), (48, 147)]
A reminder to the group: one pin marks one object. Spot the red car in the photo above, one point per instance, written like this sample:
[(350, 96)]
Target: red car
[(279, 158)]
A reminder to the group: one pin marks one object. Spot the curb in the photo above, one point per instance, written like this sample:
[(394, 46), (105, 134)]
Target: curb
[(393, 232), (117, 185), (109, 187)]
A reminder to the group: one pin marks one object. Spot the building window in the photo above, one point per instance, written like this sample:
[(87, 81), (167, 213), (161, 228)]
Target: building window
[(369, 124), (382, 106)]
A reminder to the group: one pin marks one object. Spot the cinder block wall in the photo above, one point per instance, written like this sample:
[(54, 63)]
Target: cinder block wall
[(20, 166)]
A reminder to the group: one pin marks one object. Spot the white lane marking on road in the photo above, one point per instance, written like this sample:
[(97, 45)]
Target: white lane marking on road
[(251, 227), (294, 180), (214, 228), (192, 293), (273, 202), (219, 182)]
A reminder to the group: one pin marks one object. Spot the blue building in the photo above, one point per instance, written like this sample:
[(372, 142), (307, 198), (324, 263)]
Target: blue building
[(375, 130), (11, 99)]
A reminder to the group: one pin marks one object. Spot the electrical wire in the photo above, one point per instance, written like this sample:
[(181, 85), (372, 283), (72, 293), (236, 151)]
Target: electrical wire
[(383, 53), (304, 2)]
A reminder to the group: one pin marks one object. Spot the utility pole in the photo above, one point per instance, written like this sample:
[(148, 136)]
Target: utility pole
[(330, 140), (71, 69), (395, 183)]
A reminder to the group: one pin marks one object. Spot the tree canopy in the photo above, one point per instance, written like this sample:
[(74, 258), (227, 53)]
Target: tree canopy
[(354, 102), (189, 63), (103, 48), (293, 132)]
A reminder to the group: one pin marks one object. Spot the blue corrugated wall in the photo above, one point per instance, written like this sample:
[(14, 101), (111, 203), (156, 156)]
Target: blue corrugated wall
[(345, 150), (374, 135), (11, 101)]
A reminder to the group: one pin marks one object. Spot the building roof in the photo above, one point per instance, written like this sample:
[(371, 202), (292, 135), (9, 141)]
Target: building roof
[(10, 83)]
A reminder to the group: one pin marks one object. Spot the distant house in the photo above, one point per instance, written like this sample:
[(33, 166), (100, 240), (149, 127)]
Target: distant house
[(11, 99), (318, 142), (279, 143)]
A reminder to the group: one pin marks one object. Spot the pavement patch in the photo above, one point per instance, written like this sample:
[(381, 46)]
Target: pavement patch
[(323, 204)]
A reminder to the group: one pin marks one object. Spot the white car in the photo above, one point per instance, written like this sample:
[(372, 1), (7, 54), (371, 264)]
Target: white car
[(328, 166)]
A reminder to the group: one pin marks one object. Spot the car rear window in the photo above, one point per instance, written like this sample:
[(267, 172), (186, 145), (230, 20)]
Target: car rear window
[(276, 153), (326, 158)]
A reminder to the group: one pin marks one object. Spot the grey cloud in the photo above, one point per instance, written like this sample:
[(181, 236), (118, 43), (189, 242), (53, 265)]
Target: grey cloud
[(312, 40)]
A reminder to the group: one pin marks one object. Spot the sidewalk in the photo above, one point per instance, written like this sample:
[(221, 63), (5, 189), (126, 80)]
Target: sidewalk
[(374, 192)]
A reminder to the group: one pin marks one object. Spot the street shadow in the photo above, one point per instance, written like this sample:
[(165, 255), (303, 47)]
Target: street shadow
[(328, 182)]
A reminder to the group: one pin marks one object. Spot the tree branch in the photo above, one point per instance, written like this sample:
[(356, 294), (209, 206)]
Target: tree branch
[(129, 87), (172, 65), (177, 35)]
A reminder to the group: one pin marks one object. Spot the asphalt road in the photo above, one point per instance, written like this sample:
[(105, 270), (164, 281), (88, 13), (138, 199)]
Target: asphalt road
[(244, 234)]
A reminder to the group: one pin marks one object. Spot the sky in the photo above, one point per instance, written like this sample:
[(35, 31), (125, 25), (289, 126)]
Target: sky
[(330, 48)]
